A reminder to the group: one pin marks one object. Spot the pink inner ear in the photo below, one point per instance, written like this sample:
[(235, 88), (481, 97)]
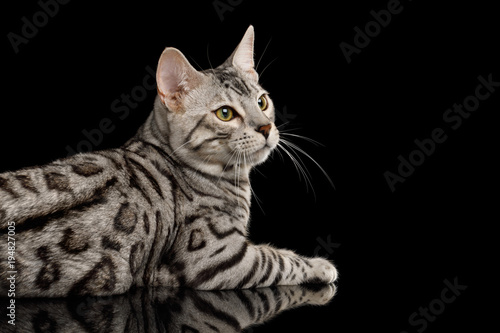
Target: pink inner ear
[(171, 76), (243, 55), (175, 77)]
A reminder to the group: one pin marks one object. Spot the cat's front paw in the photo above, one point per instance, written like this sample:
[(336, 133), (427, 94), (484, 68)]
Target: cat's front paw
[(323, 271), (319, 294)]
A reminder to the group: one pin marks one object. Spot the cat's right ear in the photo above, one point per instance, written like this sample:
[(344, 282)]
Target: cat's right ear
[(175, 77)]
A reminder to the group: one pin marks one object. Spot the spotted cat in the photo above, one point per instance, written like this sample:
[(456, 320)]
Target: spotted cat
[(169, 208)]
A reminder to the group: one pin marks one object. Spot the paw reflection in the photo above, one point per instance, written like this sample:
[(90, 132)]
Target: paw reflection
[(166, 309)]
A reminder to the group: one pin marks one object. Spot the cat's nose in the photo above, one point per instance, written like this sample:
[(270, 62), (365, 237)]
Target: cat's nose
[(264, 130)]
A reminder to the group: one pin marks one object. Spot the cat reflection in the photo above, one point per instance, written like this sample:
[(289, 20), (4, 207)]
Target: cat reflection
[(164, 310)]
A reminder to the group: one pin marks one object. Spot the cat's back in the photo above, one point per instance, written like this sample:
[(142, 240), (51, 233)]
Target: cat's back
[(85, 224)]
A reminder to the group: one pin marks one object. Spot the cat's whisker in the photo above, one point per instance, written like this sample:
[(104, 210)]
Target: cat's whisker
[(254, 194), (192, 59), (208, 58), (277, 152), (257, 170), (282, 125), (257, 200), (262, 55), (185, 143), (293, 146), (205, 161), (292, 150), (237, 177), (301, 171), (269, 64), (302, 137), (232, 153)]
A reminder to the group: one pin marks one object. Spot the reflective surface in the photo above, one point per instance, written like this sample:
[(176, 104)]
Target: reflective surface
[(165, 310)]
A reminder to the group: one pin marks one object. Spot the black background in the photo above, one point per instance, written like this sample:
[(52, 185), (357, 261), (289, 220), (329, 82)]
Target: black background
[(393, 249)]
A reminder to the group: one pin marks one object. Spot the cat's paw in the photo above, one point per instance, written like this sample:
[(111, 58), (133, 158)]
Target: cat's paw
[(323, 271), (319, 294)]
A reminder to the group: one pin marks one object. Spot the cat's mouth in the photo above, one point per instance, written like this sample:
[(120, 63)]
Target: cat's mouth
[(261, 154), (254, 151)]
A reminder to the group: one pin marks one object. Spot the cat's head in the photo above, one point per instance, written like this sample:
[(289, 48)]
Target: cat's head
[(218, 117)]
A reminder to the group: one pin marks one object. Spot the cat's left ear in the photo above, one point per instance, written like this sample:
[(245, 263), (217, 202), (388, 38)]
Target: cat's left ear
[(242, 57), (175, 78)]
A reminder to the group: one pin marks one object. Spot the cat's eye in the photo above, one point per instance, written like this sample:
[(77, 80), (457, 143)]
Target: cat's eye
[(262, 101), (225, 113)]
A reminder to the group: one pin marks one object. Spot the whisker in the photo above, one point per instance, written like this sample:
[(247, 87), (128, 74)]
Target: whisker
[(269, 64), (208, 58), (300, 170), (192, 59), (262, 54), (205, 160), (297, 148), (185, 143), (257, 200), (303, 137), (279, 153), (292, 150), (237, 175), (233, 153), (254, 195), (282, 125)]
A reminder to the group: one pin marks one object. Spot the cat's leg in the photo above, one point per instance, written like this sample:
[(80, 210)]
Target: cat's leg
[(237, 263), (264, 266), (63, 184)]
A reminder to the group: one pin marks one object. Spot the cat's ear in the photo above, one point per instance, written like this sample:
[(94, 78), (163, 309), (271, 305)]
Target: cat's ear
[(175, 77), (242, 57)]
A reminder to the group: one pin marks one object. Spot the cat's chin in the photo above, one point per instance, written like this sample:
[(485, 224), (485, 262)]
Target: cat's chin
[(261, 155)]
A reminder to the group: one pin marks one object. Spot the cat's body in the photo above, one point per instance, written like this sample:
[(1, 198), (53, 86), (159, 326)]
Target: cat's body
[(169, 208)]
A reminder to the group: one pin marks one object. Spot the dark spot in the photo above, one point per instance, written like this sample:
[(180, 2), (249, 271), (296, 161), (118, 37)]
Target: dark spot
[(177, 267), (50, 271), (4, 185), (87, 169), (73, 244), (43, 253), (196, 240), (42, 322), (216, 252), (57, 181), (27, 183), (146, 223), (108, 243), (190, 219), (135, 258), (188, 329), (101, 278), (126, 219)]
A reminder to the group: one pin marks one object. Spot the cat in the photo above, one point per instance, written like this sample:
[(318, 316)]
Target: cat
[(168, 208), (164, 310)]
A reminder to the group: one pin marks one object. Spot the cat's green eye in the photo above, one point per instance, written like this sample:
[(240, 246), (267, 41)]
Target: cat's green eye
[(225, 113), (262, 101)]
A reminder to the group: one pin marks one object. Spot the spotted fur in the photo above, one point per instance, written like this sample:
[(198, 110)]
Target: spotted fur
[(169, 208)]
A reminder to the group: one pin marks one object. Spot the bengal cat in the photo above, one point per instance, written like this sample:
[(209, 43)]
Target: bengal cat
[(169, 208)]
